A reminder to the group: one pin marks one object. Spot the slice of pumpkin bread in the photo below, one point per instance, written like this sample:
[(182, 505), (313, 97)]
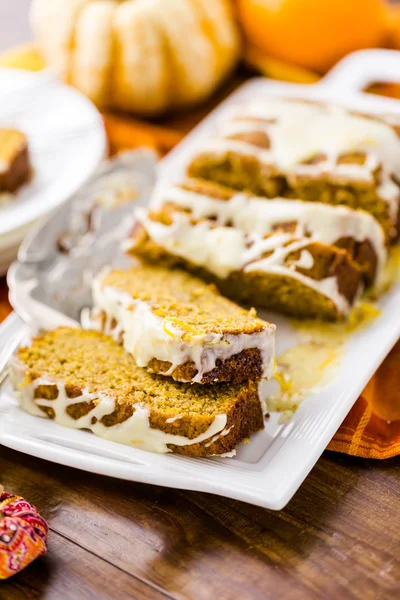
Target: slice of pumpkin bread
[(281, 270), (15, 167), (307, 150), (354, 230), (175, 324), (85, 380)]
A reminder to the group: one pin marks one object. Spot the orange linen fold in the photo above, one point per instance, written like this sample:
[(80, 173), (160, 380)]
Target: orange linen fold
[(372, 427)]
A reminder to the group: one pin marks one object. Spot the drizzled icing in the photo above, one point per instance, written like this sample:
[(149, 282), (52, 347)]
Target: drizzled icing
[(147, 336), (134, 431), (216, 437), (298, 131), (224, 250), (251, 214), (306, 260)]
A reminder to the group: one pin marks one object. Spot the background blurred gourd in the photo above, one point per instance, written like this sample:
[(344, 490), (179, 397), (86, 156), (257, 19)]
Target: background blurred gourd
[(313, 33), (145, 56)]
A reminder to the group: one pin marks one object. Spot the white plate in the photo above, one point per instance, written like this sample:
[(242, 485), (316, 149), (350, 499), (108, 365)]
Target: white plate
[(269, 469), (67, 142)]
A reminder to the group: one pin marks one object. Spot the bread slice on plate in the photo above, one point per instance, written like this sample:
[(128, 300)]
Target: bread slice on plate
[(353, 230), (15, 169), (85, 380), (175, 324), (281, 268)]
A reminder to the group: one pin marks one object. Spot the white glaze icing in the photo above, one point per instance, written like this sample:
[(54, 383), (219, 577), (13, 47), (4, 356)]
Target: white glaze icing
[(223, 250), (306, 260), (222, 433), (147, 336), (251, 214), (135, 431), (302, 130), (173, 419)]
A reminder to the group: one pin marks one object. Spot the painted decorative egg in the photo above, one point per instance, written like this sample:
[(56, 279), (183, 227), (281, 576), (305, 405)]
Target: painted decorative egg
[(23, 534)]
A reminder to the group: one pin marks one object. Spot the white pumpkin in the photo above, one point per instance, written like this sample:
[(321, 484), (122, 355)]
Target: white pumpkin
[(145, 56)]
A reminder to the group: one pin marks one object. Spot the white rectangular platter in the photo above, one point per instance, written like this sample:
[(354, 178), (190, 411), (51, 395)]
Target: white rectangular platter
[(269, 469)]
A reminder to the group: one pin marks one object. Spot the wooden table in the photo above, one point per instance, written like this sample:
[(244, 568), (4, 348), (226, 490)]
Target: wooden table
[(338, 538)]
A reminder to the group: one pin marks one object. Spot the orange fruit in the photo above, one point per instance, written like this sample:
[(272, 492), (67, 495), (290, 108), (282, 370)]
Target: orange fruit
[(313, 33)]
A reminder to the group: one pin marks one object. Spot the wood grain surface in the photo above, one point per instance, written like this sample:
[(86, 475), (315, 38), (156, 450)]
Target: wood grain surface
[(338, 538)]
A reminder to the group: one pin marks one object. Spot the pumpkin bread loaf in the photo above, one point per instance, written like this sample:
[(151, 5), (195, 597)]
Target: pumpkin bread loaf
[(85, 380), (175, 324)]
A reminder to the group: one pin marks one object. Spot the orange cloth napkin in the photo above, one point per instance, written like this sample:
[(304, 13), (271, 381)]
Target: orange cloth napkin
[(372, 428)]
